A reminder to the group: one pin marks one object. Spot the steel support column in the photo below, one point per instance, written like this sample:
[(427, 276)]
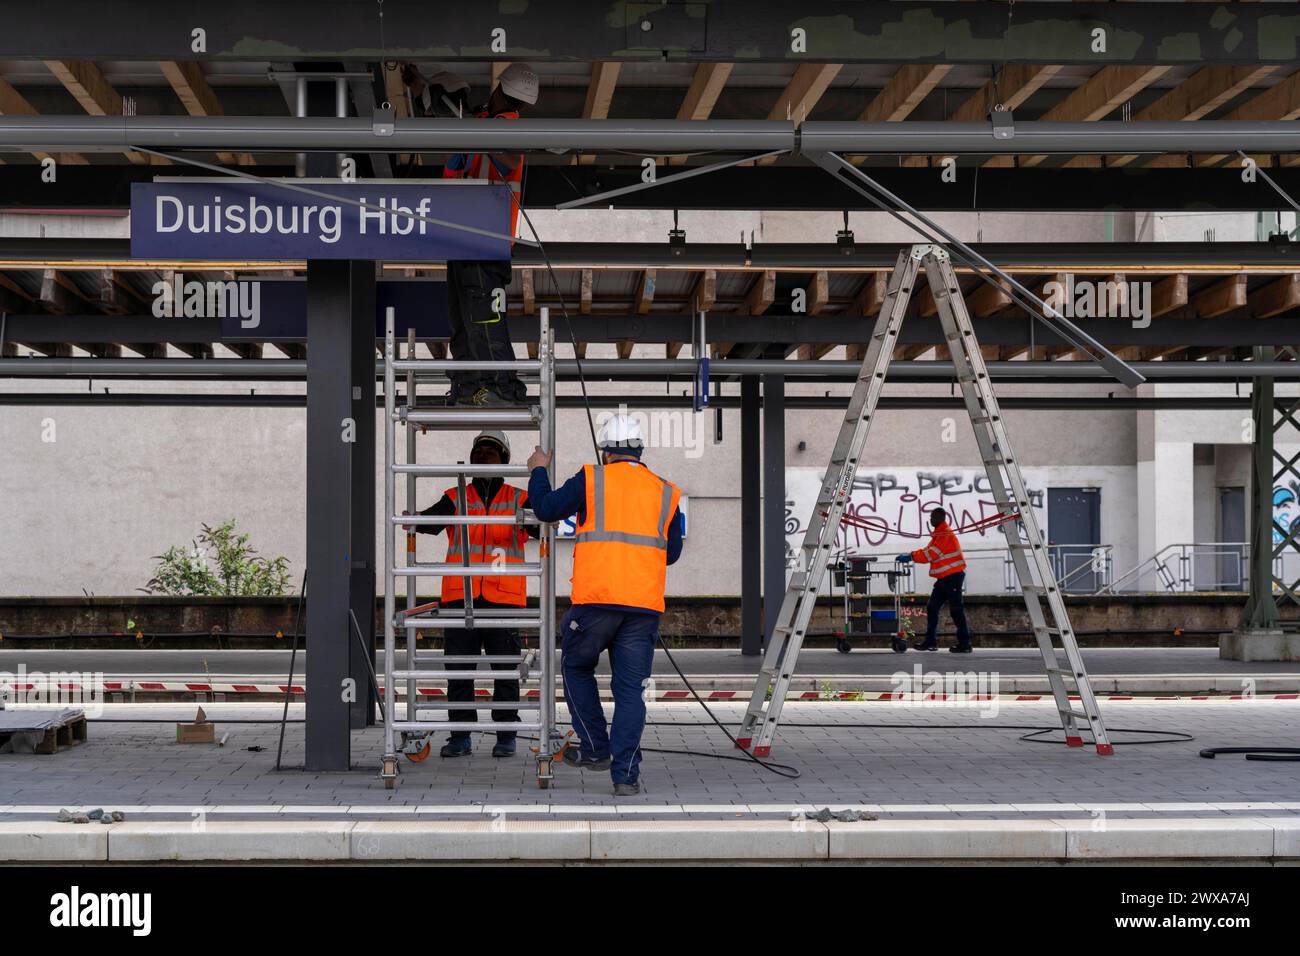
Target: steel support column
[(773, 500), (361, 590), (329, 521), (751, 518)]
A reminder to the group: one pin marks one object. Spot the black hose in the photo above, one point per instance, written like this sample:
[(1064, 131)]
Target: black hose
[(1277, 754)]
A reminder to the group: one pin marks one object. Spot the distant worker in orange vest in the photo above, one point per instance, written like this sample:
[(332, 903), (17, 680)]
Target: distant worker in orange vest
[(488, 544), (479, 330), (628, 532), (948, 568)]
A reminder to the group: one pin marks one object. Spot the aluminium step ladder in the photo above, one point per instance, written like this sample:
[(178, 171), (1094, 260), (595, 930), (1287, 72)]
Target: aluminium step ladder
[(1047, 613), (411, 732)]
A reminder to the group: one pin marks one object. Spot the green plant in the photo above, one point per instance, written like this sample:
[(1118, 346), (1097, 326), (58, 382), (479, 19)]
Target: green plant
[(220, 562)]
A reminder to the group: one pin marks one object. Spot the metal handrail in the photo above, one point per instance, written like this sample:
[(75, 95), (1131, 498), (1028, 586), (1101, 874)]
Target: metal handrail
[(1186, 552)]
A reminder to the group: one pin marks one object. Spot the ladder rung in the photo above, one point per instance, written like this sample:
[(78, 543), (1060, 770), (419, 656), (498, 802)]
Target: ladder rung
[(525, 517), (472, 571), (1077, 713), (456, 365), (462, 675), (469, 471), (480, 623), (473, 659), (472, 417), (441, 705), (458, 675), (419, 726)]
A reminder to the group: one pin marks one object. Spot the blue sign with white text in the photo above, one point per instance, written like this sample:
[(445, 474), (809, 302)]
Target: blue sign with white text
[(239, 220)]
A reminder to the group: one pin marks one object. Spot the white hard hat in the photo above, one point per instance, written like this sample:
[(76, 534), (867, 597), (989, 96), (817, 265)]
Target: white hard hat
[(497, 438), (451, 82), (519, 81), (620, 432)]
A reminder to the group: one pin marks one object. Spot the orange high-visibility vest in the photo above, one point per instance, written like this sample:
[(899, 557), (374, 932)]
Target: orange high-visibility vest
[(488, 543), (479, 166), (621, 554), (943, 553)]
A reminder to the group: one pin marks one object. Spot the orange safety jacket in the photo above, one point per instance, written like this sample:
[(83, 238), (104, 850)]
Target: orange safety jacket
[(943, 553), (480, 166), (488, 544), (621, 550)]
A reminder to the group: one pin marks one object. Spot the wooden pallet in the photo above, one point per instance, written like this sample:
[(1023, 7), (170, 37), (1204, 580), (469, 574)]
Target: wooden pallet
[(58, 731)]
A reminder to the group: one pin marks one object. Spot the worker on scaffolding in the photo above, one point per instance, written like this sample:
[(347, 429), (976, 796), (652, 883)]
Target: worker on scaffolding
[(948, 568), (476, 289), (488, 544), (628, 532)]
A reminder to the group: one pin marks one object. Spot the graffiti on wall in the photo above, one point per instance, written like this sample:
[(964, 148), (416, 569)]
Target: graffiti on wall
[(1286, 511), (900, 500)]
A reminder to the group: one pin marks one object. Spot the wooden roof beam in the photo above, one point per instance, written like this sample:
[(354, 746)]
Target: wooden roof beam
[(600, 92), (89, 87), (1100, 95), (199, 99), (903, 93), (702, 96), (1013, 84), (806, 87), (13, 103)]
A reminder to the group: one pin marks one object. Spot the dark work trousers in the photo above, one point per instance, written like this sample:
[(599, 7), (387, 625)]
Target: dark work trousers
[(947, 591), (461, 642), (478, 333), (586, 632)]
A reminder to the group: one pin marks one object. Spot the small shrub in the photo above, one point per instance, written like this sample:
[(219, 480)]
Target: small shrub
[(219, 563)]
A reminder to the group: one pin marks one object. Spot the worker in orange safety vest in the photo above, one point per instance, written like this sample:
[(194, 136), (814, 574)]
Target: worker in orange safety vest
[(628, 531), (948, 568), (475, 289), (486, 544)]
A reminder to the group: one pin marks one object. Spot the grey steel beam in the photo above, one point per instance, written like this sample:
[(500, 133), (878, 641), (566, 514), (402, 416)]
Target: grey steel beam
[(631, 369), (1047, 256), (773, 500), (362, 451), (413, 135), (244, 399), (864, 31), (751, 519), (329, 526), (1201, 136), (722, 327), (651, 137)]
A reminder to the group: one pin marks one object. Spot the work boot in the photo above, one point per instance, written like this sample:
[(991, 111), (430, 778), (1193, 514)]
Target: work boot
[(960, 649), (575, 758), (487, 398), (457, 747), (505, 747), (927, 646), (627, 789)]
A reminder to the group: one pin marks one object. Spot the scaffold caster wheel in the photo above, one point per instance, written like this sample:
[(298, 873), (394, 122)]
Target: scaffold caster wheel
[(843, 646), (544, 775), (420, 755), (899, 645), (389, 773)]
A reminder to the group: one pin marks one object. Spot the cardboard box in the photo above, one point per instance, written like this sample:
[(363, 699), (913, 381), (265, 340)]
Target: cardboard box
[(201, 731)]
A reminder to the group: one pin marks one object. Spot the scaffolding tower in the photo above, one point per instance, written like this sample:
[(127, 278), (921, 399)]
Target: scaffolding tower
[(410, 733)]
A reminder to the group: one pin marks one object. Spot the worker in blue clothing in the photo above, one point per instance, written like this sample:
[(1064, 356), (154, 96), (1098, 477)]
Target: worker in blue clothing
[(628, 532)]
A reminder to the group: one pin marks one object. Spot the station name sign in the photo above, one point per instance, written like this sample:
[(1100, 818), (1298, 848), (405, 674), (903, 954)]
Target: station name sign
[(229, 220)]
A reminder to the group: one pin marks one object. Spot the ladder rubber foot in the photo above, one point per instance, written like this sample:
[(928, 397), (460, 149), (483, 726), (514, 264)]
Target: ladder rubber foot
[(762, 751), (744, 742), (1106, 750), (1074, 741)]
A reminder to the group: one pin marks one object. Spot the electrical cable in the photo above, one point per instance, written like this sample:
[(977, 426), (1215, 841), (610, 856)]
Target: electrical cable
[(293, 659), (564, 310)]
